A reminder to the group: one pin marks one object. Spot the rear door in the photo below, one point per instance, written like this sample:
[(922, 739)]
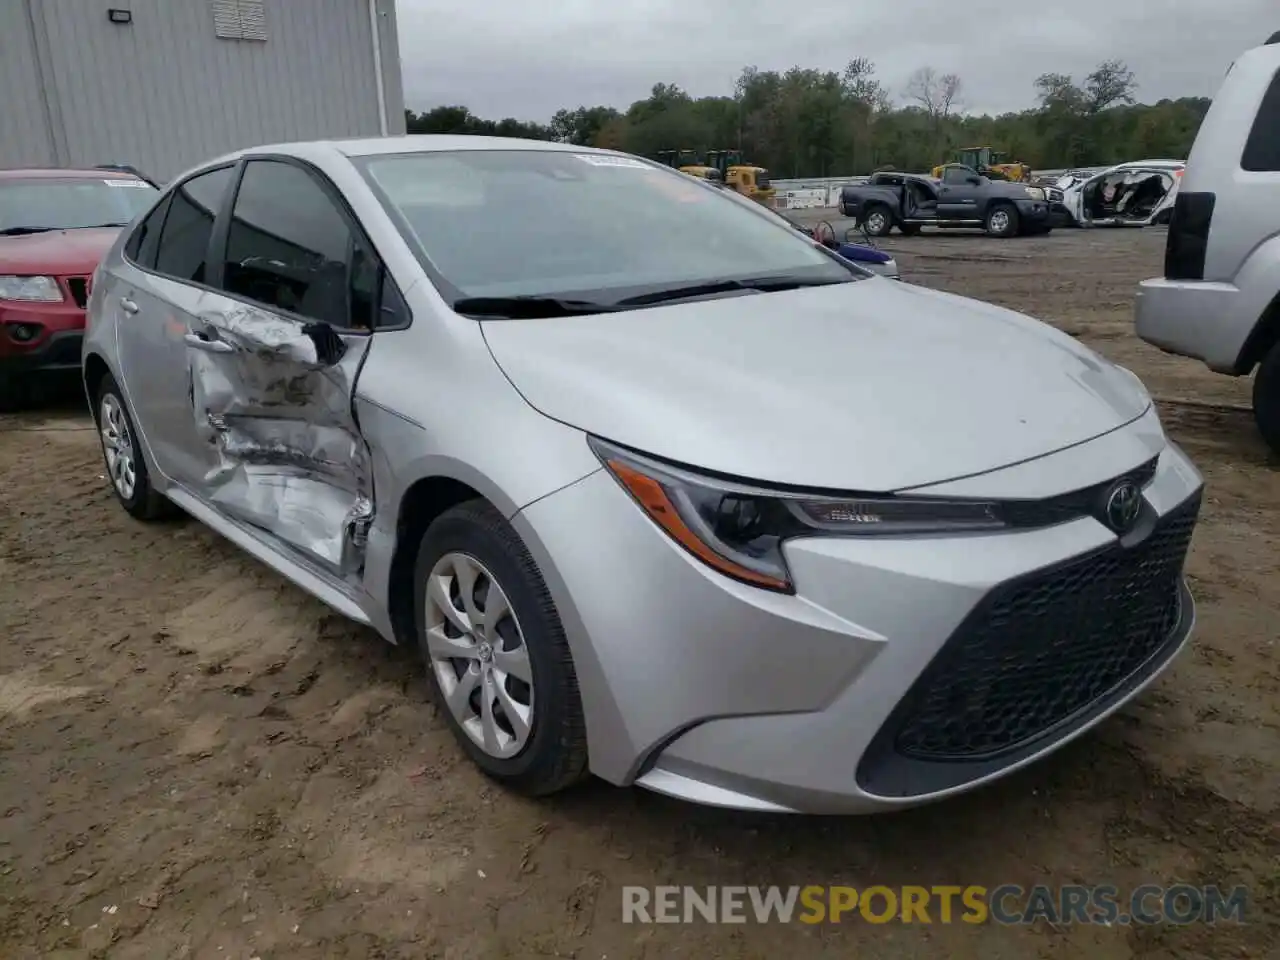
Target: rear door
[(275, 354), (155, 293)]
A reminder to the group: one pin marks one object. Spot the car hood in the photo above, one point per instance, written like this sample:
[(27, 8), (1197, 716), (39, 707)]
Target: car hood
[(58, 252), (871, 386)]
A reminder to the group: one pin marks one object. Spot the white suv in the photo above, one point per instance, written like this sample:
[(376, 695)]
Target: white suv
[(1219, 298)]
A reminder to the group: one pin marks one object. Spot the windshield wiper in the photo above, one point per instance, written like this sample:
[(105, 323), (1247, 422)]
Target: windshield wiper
[(710, 288), (24, 231), (98, 226), (528, 308)]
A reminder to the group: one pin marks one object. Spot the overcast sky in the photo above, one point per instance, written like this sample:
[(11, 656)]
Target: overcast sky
[(515, 58)]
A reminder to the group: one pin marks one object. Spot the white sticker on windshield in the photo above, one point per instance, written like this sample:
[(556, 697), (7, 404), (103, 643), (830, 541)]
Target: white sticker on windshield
[(604, 160), (125, 183)]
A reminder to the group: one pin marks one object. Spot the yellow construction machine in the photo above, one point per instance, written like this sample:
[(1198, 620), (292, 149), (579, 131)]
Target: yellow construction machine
[(988, 162), (725, 166)]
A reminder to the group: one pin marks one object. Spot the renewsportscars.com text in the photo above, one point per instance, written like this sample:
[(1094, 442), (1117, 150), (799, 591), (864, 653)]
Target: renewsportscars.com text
[(973, 904)]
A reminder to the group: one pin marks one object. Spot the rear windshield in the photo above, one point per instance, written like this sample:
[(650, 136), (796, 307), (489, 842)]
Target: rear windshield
[(49, 203), (502, 223)]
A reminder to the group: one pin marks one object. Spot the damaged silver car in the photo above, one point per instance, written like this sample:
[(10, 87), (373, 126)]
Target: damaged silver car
[(1134, 194), (661, 487)]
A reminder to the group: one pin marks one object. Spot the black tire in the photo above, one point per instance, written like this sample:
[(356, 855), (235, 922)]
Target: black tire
[(1001, 227), (144, 503), (1266, 398), (909, 229), (883, 222), (555, 754)]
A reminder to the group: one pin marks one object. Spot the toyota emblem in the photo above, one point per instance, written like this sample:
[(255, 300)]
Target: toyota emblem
[(1124, 503)]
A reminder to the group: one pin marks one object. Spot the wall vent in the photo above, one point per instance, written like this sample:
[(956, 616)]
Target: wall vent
[(239, 19)]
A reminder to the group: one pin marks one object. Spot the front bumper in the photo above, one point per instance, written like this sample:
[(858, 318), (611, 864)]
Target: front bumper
[(1033, 212), (1206, 320), (703, 688), (37, 337)]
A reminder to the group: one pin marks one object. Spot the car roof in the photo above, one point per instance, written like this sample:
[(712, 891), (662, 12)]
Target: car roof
[(1150, 163), (411, 143), (54, 173)]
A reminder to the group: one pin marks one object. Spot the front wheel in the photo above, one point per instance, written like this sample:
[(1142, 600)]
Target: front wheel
[(1266, 398), (1002, 221), (496, 653)]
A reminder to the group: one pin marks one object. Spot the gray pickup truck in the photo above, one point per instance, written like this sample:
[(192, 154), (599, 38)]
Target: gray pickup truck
[(962, 198)]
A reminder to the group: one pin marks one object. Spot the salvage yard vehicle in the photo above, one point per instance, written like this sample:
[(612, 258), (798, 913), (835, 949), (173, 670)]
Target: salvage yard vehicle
[(865, 255), (988, 162), (661, 489), (963, 198), (1134, 194), (1219, 298), (55, 225)]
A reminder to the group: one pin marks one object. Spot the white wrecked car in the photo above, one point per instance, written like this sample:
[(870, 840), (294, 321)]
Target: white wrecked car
[(1131, 194)]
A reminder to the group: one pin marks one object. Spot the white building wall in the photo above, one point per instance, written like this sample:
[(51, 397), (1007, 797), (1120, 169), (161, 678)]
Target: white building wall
[(165, 92), (25, 135)]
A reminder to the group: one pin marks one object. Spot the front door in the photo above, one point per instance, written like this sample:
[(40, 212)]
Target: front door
[(274, 358), (958, 195), (156, 296)]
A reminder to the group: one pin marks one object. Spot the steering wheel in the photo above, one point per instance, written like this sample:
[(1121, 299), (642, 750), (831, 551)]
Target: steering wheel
[(825, 234)]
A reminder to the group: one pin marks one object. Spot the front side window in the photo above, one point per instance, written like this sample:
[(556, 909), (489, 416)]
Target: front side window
[(188, 227), (42, 204), (522, 223), (290, 248)]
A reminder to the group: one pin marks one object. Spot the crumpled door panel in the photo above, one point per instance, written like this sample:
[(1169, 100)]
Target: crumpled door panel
[(273, 397)]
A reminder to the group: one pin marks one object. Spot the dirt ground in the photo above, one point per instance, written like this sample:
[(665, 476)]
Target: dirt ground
[(197, 760)]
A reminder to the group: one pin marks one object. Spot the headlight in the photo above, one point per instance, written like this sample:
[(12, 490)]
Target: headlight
[(44, 289), (739, 529), (1035, 193)]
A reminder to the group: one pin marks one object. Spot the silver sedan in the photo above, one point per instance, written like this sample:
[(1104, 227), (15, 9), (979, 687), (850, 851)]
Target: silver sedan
[(663, 489)]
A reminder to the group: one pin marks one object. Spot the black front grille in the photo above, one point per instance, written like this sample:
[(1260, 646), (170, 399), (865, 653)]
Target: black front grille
[(1040, 650), (79, 287)]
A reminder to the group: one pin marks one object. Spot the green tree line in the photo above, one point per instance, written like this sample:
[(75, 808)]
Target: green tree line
[(815, 123)]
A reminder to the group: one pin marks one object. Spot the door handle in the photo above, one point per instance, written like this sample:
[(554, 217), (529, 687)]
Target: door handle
[(128, 306), (197, 342)]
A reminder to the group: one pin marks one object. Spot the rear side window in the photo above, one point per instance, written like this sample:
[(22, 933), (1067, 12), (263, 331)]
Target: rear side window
[(1262, 150), (184, 240), (145, 242), (290, 248)]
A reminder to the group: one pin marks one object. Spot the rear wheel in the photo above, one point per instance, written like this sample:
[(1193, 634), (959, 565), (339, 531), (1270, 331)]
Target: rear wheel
[(122, 454), (878, 220), (1266, 398), (496, 653), (1002, 220)]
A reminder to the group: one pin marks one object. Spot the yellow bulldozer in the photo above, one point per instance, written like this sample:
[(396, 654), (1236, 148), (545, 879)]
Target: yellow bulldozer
[(988, 162), (725, 166)]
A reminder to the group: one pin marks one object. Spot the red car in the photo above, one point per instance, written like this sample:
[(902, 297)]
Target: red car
[(55, 226)]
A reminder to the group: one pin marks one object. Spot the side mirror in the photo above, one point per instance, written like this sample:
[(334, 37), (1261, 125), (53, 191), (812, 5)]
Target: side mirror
[(975, 181)]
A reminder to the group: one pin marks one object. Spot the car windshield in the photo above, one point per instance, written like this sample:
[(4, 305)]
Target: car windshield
[(597, 227), (58, 203)]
